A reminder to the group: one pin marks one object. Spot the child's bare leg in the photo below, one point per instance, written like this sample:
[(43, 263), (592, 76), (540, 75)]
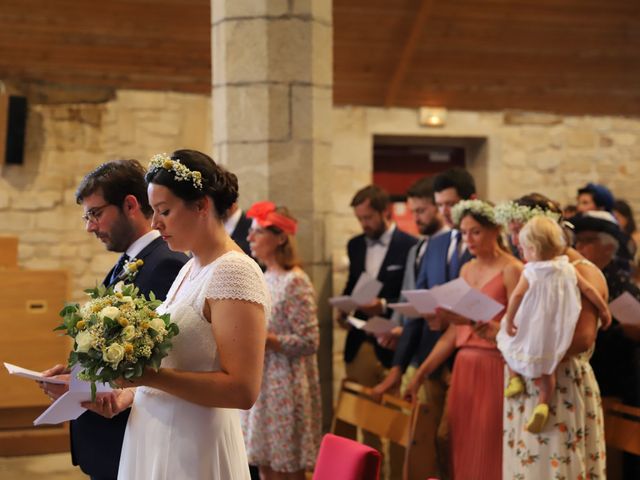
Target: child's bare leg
[(546, 385)]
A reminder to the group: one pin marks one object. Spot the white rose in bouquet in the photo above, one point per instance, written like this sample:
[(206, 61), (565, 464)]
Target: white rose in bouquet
[(129, 332), (113, 354), (157, 324), (83, 341), (109, 312)]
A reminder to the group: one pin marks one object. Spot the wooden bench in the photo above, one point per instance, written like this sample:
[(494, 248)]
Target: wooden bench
[(392, 418), (622, 426)]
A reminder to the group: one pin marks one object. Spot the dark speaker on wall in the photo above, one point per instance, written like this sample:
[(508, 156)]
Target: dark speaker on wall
[(16, 130)]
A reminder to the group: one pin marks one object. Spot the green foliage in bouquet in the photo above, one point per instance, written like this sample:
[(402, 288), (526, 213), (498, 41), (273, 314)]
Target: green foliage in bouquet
[(116, 334)]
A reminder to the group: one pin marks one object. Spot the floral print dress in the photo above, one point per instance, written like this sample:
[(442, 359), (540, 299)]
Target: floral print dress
[(571, 447), (283, 429)]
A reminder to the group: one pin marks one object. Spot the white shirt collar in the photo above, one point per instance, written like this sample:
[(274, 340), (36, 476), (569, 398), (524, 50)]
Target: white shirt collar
[(232, 221), (136, 247), (385, 238)]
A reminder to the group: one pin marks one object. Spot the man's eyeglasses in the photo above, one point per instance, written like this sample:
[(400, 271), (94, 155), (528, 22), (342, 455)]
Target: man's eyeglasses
[(93, 214)]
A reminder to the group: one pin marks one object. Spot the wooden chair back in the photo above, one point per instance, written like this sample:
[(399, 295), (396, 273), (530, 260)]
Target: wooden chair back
[(391, 418), (622, 426)]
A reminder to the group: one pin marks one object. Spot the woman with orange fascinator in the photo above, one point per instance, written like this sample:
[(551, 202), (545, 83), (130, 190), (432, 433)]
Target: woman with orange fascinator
[(282, 431)]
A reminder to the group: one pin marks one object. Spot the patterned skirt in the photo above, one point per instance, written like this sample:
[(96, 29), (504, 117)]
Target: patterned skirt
[(572, 445)]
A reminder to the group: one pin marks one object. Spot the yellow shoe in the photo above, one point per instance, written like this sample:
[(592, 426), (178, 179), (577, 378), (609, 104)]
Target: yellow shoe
[(515, 387), (538, 418)]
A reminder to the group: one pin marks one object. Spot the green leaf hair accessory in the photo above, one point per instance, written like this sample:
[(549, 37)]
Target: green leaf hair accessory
[(181, 171), (477, 207), (508, 212)]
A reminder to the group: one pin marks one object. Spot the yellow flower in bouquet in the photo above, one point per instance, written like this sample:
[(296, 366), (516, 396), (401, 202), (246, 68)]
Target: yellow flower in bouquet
[(116, 334)]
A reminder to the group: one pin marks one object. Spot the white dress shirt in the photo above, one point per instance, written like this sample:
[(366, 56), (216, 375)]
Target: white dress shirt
[(136, 247), (232, 221), (377, 250), (456, 245)]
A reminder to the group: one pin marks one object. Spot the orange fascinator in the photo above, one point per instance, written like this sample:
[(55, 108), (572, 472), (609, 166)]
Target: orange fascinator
[(266, 215)]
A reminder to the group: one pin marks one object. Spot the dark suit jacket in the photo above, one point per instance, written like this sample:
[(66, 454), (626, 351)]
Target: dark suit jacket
[(241, 232), (417, 339), (96, 441), (391, 274)]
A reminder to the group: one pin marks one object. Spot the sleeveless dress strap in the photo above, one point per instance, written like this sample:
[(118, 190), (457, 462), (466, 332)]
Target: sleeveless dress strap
[(584, 261)]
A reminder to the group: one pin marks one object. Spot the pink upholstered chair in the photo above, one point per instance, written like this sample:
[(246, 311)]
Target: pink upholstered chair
[(344, 459)]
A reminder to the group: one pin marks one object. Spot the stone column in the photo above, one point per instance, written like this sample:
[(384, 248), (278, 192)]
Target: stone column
[(272, 66)]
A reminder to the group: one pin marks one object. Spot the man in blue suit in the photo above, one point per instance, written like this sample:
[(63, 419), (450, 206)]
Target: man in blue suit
[(381, 251), (441, 262), (117, 212)]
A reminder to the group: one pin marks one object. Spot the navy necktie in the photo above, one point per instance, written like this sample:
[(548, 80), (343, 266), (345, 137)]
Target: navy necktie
[(117, 270)]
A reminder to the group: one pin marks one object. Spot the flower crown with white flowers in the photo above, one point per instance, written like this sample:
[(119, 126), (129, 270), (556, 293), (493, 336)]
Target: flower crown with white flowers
[(508, 212), (477, 207), (181, 171)]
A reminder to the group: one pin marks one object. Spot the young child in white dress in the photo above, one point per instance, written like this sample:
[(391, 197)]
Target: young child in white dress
[(541, 317)]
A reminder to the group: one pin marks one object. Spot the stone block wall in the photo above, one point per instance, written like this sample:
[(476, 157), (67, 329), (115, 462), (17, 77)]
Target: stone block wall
[(65, 141)]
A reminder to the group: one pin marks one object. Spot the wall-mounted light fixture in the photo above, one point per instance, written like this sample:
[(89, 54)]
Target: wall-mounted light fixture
[(433, 116)]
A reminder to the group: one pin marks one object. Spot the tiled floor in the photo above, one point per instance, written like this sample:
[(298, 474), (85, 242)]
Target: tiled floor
[(41, 467)]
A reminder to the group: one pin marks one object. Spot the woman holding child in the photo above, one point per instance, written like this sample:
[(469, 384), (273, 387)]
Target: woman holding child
[(571, 444)]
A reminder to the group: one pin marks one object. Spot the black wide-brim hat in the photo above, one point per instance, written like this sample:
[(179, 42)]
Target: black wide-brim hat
[(602, 222)]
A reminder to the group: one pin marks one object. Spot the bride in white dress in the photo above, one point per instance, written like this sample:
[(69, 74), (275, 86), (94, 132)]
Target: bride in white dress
[(184, 421)]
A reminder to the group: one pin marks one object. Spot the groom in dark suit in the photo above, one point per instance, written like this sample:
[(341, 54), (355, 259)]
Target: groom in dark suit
[(117, 212)]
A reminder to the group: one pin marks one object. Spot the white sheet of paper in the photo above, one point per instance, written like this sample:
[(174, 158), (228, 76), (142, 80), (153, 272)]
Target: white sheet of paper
[(477, 306), (422, 300), (366, 290), (456, 296), (68, 407), (375, 325), (378, 325), (344, 303), (626, 309), (31, 374), (356, 322), (405, 308), (449, 293)]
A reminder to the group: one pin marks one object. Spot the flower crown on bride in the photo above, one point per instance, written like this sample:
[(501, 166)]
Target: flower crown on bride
[(181, 171), (508, 212), (477, 207)]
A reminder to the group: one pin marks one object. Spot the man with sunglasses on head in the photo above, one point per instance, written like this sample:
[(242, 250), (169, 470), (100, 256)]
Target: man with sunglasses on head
[(117, 212)]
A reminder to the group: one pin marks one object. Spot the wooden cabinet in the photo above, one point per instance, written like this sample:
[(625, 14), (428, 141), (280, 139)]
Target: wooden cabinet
[(29, 305)]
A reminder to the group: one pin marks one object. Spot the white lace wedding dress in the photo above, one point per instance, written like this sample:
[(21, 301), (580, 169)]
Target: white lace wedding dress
[(170, 438)]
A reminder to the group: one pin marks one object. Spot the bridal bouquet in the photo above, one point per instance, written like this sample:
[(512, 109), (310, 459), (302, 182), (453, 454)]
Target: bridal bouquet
[(116, 334)]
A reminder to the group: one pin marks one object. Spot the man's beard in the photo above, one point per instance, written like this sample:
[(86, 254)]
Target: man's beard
[(120, 236), (430, 228), (375, 234)]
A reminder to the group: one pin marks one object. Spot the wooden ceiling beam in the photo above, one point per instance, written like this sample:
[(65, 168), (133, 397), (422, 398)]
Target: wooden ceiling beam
[(407, 52)]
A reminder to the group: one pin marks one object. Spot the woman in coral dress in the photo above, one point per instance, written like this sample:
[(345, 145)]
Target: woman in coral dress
[(475, 395)]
